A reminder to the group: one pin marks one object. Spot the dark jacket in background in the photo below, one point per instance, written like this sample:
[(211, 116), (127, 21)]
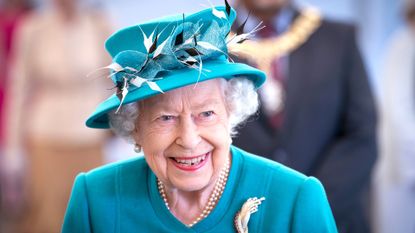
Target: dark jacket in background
[(330, 122)]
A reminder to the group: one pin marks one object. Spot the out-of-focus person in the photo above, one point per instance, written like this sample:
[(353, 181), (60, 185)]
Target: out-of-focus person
[(394, 183), (318, 114), (46, 141), (11, 14)]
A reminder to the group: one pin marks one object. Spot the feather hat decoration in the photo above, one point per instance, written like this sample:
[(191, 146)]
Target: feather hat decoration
[(169, 53)]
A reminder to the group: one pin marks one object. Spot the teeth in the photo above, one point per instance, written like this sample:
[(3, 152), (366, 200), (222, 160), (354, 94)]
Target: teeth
[(191, 162)]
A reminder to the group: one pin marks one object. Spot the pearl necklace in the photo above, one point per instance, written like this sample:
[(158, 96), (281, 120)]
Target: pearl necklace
[(214, 196)]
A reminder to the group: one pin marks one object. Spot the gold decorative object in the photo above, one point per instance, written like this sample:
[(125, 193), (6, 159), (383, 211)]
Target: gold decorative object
[(243, 216), (262, 52)]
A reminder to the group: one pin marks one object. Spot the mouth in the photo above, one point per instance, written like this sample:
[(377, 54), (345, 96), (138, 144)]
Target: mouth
[(190, 163)]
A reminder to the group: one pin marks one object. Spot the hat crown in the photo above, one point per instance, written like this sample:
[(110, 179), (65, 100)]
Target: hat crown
[(146, 52), (130, 38)]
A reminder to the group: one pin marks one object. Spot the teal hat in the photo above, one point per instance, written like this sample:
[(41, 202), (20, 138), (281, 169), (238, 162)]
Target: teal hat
[(169, 53)]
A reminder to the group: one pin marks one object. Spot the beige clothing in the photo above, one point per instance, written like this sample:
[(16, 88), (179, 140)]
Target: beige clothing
[(53, 169), (50, 98)]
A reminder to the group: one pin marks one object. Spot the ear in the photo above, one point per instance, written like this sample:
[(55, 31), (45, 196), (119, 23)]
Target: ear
[(136, 134)]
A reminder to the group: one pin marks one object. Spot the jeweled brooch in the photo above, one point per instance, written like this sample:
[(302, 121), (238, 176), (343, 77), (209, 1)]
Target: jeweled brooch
[(242, 217)]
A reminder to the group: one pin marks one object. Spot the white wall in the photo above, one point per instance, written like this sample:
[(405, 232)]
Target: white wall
[(376, 21), (129, 12)]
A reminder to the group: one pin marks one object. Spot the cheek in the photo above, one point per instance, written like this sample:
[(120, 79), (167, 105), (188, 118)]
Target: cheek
[(218, 136), (150, 137), (154, 147)]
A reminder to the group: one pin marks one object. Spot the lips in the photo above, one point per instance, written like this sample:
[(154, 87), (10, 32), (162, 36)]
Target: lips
[(190, 163)]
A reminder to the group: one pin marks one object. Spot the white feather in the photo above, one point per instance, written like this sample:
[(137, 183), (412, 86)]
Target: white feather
[(130, 68), (208, 45), (191, 59), (159, 48), (219, 14), (138, 81), (238, 38), (113, 66), (216, 12), (148, 41), (245, 36), (200, 71), (153, 86), (188, 41)]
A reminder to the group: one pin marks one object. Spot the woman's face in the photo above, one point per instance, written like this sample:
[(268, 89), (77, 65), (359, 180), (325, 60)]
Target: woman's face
[(185, 135)]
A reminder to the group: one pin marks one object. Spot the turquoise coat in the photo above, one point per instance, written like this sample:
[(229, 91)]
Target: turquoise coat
[(123, 197)]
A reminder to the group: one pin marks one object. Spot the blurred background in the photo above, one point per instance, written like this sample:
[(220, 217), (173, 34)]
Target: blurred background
[(47, 48)]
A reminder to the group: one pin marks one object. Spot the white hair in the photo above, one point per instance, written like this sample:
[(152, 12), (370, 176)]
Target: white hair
[(241, 100)]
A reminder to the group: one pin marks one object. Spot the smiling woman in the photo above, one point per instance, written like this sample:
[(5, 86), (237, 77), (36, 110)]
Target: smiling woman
[(180, 100)]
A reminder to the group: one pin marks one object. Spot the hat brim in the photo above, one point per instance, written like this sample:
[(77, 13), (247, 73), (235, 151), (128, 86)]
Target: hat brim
[(176, 79)]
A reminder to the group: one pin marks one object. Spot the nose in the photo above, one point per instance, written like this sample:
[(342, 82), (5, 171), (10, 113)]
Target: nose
[(188, 134)]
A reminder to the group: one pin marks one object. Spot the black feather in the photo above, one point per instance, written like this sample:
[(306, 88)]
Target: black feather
[(144, 65), (193, 52), (118, 93), (241, 41), (228, 8), (195, 39), (154, 45), (191, 63), (240, 29), (179, 38), (119, 84)]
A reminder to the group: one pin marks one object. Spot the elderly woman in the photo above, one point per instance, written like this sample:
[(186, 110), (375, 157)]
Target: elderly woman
[(179, 100)]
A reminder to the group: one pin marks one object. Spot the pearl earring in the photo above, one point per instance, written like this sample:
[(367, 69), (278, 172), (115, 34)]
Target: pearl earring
[(137, 148)]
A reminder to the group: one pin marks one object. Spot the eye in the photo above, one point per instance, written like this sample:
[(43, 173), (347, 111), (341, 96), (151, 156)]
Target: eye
[(166, 118), (207, 114)]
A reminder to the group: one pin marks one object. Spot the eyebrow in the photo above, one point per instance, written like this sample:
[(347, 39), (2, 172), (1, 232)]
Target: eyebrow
[(167, 107), (207, 102)]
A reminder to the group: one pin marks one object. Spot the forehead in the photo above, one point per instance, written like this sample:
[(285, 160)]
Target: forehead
[(207, 92)]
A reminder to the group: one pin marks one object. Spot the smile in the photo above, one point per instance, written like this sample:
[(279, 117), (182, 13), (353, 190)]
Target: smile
[(191, 163)]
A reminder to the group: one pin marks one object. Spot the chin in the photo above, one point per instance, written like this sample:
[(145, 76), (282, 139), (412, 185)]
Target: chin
[(192, 184), (191, 178)]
